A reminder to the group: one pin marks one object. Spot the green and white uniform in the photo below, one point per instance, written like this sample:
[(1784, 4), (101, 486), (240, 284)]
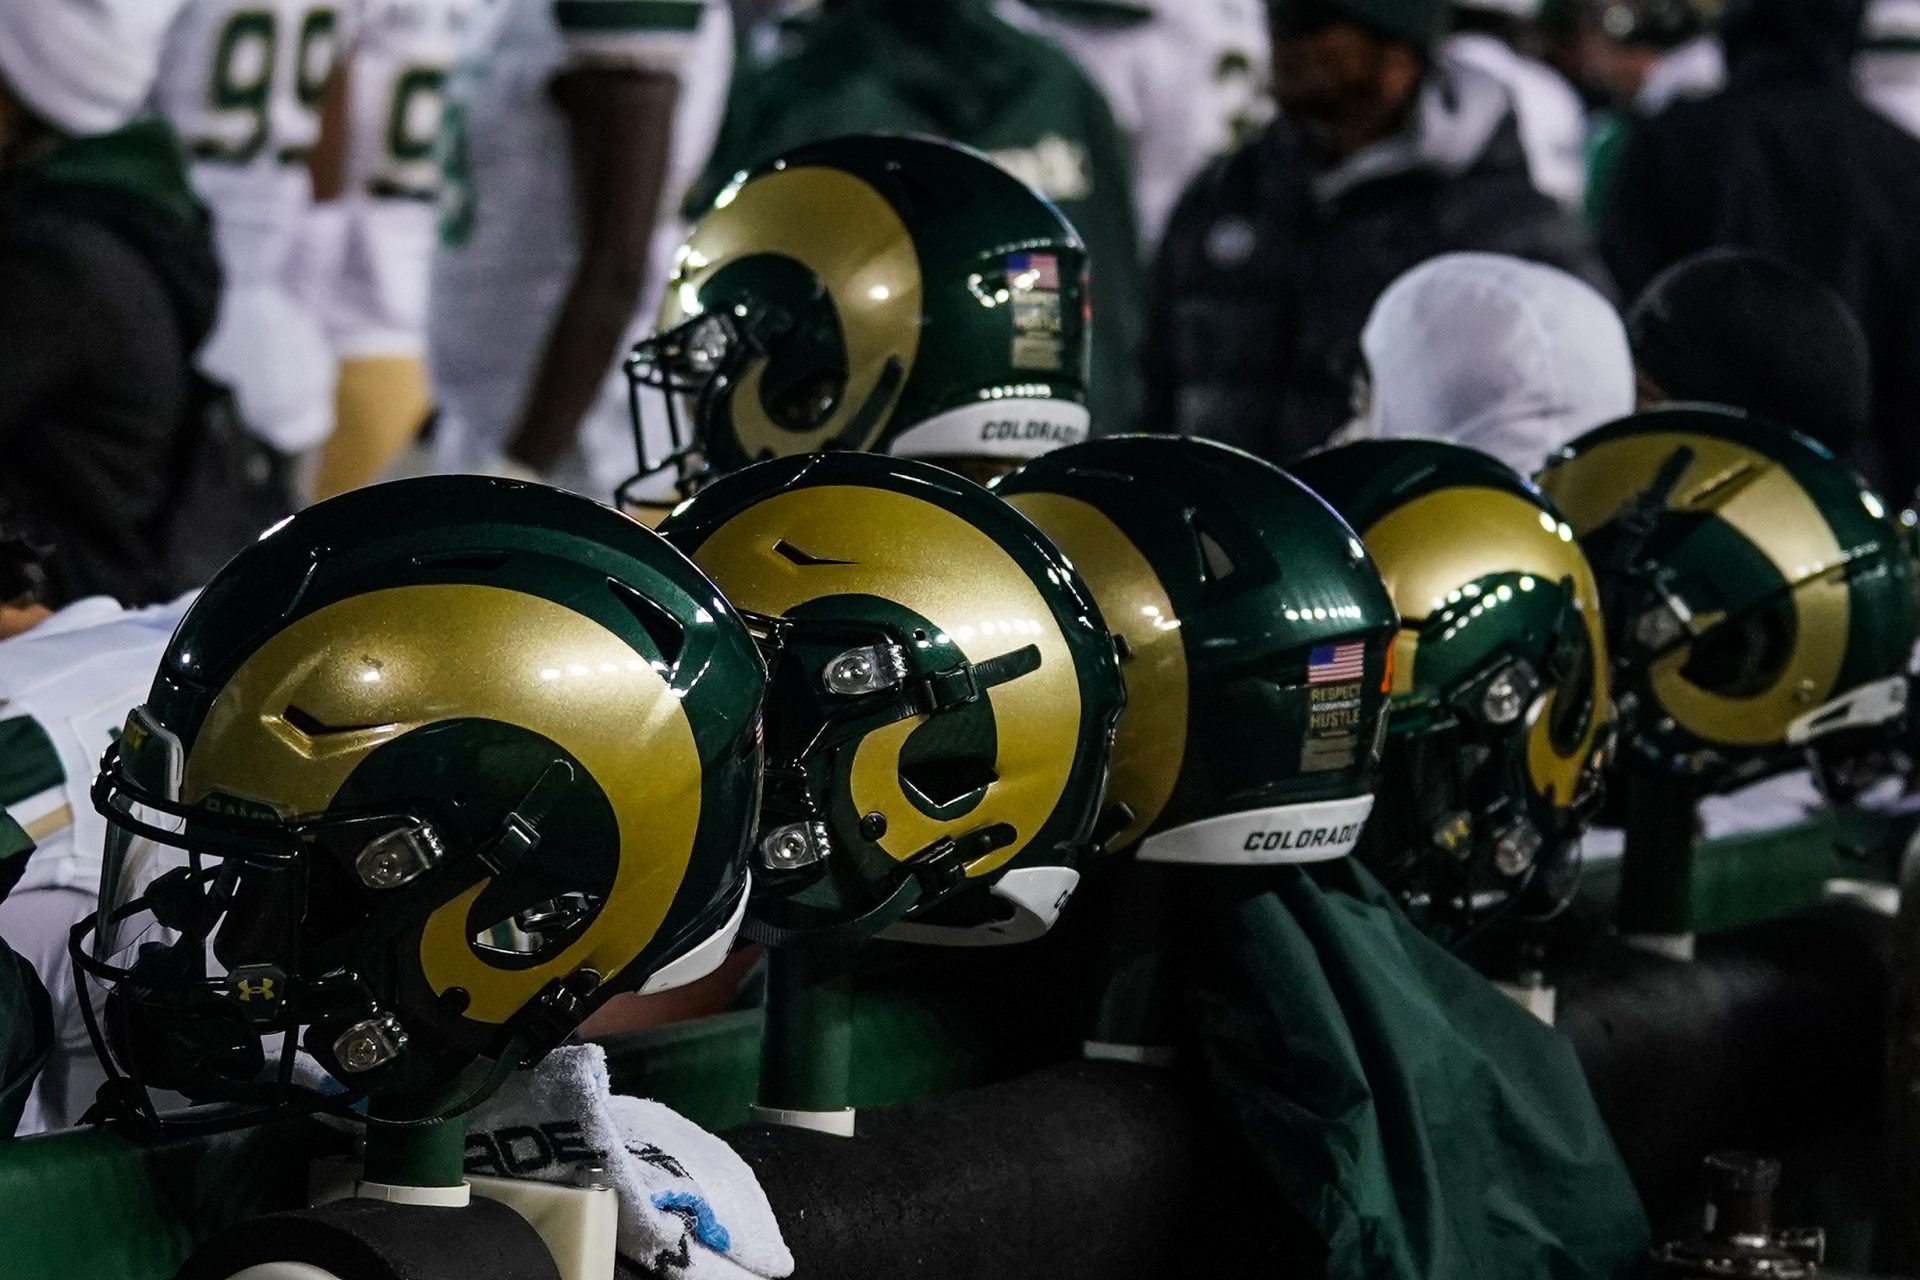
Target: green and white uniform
[(1185, 81), (398, 54), (509, 223), (242, 82), (65, 688)]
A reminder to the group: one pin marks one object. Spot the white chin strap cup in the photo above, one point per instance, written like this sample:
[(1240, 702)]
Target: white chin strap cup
[(1870, 704), (1317, 831), (1036, 895), (837, 1124), (1012, 428), (706, 957)]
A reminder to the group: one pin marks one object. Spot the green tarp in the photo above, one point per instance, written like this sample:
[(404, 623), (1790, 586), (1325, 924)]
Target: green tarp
[(26, 1035), (1414, 1119)]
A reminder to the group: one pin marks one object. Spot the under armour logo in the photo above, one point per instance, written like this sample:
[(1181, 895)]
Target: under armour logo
[(259, 988)]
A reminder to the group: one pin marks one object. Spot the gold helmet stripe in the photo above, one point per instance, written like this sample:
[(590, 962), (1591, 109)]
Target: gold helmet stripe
[(875, 542), (849, 236), (1491, 532), (1766, 504), (384, 663), (1151, 745)]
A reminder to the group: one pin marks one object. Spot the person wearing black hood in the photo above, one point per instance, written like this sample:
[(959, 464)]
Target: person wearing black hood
[(110, 286), (1386, 154), (1787, 160), (1740, 328)]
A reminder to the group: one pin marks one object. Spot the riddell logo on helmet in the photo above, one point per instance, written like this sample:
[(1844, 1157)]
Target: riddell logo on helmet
[(1302, 838), (1055, 433)]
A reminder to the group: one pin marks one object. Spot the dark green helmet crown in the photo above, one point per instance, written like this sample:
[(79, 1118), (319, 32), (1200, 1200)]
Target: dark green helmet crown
[(1256, 652), (1759, 597), (443, 764), (942, 704), (1501, 716), (873, 293)]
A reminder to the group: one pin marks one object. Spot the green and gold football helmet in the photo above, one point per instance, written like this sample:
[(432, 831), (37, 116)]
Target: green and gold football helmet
[(426, 775), (1759, 598), (873, 293), (942, 701), (1501, 718), (1256, 641)]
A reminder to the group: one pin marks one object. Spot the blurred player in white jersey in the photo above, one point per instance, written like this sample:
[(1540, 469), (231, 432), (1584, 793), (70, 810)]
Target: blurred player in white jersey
[(1184, 79), (242, 82), (66, 685), (1240, 53), (574, 130), (377, 189)]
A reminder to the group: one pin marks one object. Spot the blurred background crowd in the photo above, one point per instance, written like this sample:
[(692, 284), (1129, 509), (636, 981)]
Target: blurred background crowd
[(259, 253)]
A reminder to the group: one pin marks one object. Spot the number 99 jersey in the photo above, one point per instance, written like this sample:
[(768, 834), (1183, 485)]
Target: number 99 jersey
[(242, 82)]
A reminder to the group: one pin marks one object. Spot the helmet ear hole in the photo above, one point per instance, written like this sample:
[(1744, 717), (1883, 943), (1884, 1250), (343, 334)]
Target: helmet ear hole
[(540, 931), (1742, 657), (946, 783), (950, 760), (807, 401)]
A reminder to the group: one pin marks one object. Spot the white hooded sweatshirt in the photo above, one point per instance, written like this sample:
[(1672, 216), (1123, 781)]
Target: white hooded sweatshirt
[(1695, 69), (1886, 71), (1510, 357), (1552, 121)]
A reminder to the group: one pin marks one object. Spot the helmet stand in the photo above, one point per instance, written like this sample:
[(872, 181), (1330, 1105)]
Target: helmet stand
[(1137, 1007), (409, 1210), (806, 1045), (1655, 910), (424, 1159), (1896, 1235), (1527, 983)]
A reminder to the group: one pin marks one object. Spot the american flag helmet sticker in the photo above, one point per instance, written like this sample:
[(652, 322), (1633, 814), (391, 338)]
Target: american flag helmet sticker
[(1336, 663), (1039, 337)]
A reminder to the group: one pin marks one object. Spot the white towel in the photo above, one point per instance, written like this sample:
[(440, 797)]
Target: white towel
[(689, 1206)]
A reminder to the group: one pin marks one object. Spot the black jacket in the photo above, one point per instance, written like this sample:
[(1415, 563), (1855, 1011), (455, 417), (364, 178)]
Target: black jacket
[(1788, 161), (108, 285), (1271, 262)]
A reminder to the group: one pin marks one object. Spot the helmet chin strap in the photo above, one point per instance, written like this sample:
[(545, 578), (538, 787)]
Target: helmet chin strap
[(932, 873), (1636, 524), (867, 417)]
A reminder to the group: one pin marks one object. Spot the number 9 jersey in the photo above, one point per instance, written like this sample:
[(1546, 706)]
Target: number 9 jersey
[(242, 82), (397, 54)]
